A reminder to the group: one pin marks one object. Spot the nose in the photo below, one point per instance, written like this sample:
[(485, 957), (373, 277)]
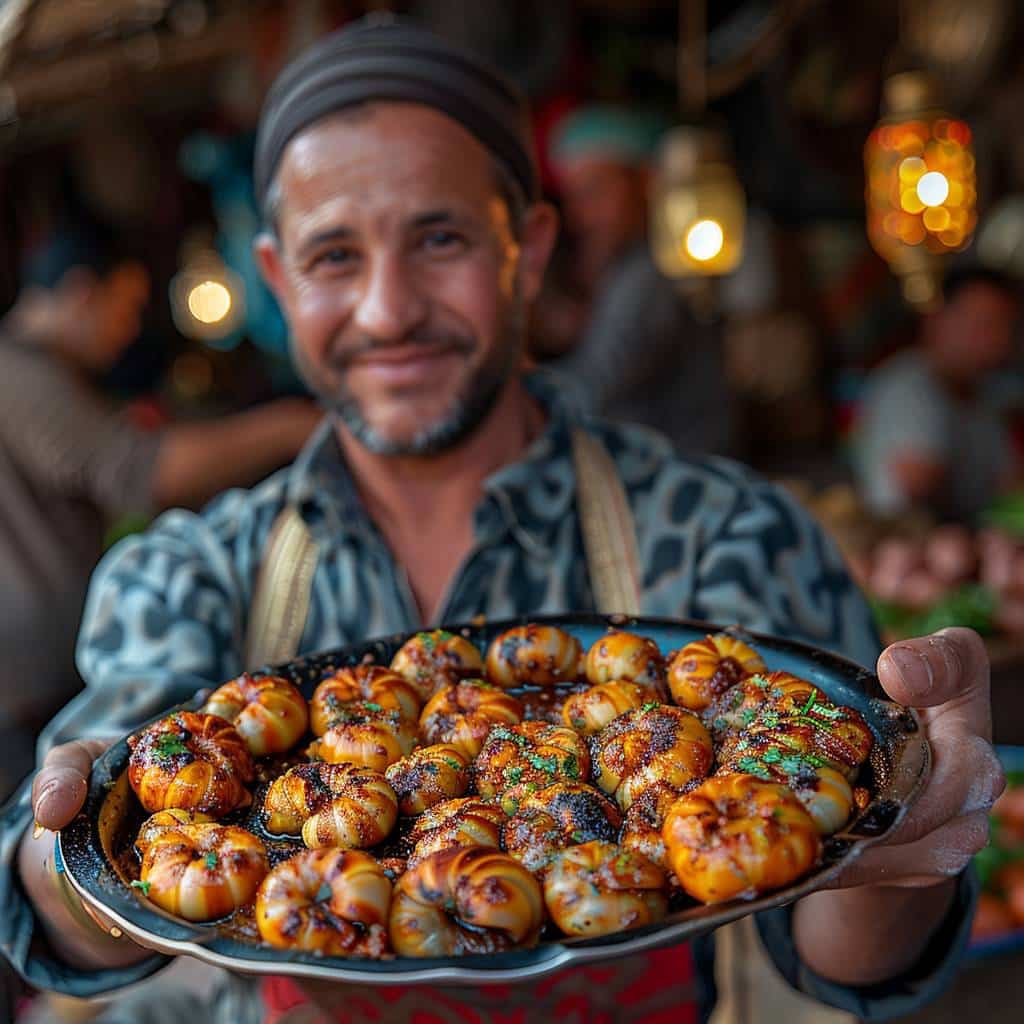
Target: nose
[(390, 304)]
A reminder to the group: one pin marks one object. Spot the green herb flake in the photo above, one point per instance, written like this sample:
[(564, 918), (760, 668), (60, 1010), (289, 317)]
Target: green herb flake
[(370, 706), (143, 887), (453, 764), (752, 766), (514, 774), (571, 766), (810, 702), (548, 765), (169, 744), (650, 705), (428, 641), (578, 836), (324, 893)]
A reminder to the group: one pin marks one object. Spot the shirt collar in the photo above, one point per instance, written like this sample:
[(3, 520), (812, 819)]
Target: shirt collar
[(529, 498)]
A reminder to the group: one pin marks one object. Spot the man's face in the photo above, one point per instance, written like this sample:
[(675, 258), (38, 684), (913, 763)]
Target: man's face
[(399, 273), (605, 209), (975, 330)]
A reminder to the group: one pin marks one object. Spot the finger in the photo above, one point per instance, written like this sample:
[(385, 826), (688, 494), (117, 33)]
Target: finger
[(943, 853), (60, 787), (966, 777), (948, 669)]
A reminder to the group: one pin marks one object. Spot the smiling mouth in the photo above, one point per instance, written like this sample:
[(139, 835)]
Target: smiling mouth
[(387, 356)]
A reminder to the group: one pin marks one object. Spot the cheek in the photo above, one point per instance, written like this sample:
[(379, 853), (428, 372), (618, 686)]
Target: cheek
[(475, 297), (316, 312)]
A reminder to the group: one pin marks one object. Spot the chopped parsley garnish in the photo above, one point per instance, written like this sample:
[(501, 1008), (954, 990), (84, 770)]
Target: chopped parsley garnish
[(548, 765), (650, 705), (370, 706), (753, 766), (143, 887), (578, 836), (810, 702), (428, 641), (210, 860), (514, 774), (571, 766), (169, 744), (623, 862), (453, 764), (747, 716), (323, 894), (771, 756)]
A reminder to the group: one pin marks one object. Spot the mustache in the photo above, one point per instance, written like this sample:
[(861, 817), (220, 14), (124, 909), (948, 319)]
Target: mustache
[(352, 349)]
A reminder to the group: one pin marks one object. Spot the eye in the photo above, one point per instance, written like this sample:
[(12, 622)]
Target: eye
[(442, 240), (338, 256)]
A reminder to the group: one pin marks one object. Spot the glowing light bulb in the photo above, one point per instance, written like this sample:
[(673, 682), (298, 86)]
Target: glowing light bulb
[(704, 240), (209, 302), (933, 188)]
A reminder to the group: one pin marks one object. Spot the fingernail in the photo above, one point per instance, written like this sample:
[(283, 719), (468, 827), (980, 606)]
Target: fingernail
[(913, 668), (37, 830)]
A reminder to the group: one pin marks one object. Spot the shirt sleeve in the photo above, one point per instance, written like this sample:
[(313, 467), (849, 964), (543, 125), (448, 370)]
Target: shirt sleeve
[(163, 620), (770, 567), (68, 439), (897, 996)]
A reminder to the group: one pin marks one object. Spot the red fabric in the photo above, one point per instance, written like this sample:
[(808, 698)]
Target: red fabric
[(663, 972)]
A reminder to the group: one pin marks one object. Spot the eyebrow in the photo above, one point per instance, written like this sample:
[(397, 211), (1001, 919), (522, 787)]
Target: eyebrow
[(342, 233), (338, 234)]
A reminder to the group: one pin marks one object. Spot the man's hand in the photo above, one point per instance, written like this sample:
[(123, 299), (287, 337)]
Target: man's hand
[(890, 901), (946, 678), (58, 792)]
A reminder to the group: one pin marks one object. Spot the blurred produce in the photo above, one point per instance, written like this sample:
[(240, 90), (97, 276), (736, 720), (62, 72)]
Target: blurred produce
[(921, 577), (1000, 865)]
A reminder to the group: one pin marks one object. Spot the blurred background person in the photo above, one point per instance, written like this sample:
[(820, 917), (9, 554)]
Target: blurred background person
[(636, 352), (928, 435), (72, 464)]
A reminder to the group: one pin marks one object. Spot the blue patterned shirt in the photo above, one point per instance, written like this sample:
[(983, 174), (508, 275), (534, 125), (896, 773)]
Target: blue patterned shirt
[(167, 611)]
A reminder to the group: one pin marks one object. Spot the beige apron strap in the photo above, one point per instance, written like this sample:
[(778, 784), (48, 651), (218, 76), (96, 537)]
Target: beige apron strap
[(609, 534), (280, 604)]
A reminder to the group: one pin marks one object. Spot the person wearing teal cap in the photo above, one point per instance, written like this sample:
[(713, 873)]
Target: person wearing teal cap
[(636, 352)]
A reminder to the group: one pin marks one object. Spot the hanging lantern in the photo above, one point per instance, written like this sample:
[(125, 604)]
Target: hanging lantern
[(207, 298), (698, 207), (920, 185)]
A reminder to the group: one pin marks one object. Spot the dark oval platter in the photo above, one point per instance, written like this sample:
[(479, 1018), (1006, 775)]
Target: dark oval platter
[(898, 770)]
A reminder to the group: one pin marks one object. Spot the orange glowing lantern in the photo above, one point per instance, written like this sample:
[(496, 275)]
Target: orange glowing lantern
[(920, 187)]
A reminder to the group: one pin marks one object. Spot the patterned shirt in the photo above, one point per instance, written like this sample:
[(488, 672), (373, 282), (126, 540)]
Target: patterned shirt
[(167, 611)]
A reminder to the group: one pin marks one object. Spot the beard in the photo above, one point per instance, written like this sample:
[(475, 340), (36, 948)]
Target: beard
[(468, 409)]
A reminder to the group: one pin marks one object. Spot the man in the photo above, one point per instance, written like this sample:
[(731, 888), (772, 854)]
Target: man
[(927, 436), (406, 245), (71, 464), (641, 355)]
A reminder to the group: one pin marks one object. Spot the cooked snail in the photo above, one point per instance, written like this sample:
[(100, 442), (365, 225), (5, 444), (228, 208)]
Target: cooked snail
[(340, 805), (428, 776), (192, 761), (334, 902), (704, 669), (464, 714), (533, 655), (625, 656), (370, 685), (202, 872), (366, 734), (738, 836), (600, 888), (590, 711), (465, 900), (269, 712), (656, 743), (434, 660)]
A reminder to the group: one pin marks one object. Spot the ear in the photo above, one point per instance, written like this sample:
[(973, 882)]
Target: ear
[(540, 230), (267, 251)]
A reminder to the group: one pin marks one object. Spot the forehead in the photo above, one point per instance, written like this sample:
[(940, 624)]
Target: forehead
[(384, 157)]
